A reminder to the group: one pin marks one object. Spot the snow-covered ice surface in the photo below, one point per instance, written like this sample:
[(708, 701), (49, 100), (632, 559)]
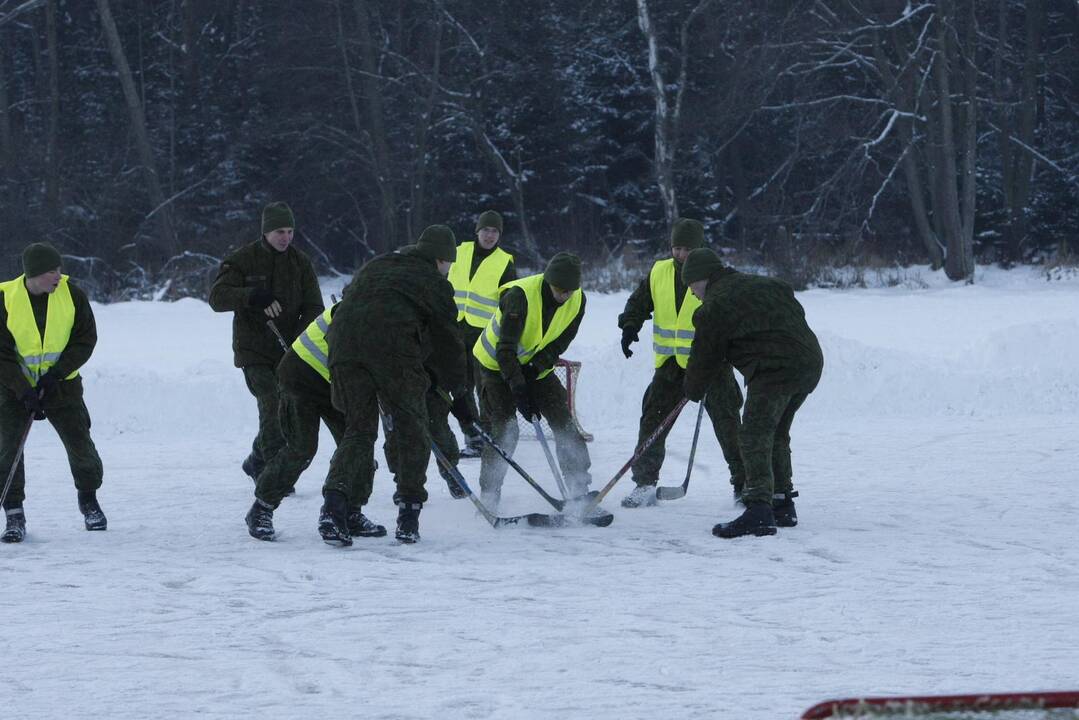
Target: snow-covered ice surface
[(938, 548)]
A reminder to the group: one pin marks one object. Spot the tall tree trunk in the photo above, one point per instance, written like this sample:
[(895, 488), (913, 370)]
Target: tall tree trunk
[(6, 154), (1017, 163), (376, 128), (418, 181), (664, 154), (954, 211), (164, 245), (52, 140)]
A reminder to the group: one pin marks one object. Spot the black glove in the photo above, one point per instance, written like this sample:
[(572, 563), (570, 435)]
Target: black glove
[(261, 298), (629, 336), (462, 411), (32, 402), (46, 384), (530, 372), (522, 397)]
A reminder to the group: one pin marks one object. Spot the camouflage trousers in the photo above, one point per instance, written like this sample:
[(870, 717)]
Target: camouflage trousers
[(438, 412), (766, 442), (549, 397), (71, 422), (262, 383), (400, 383), (723, 404), (299, 417)]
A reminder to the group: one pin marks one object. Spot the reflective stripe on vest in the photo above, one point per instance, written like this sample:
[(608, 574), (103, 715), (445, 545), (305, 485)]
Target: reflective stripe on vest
[(37, 354), (311, 345), (477, 297), (533, 339), (672, 332)]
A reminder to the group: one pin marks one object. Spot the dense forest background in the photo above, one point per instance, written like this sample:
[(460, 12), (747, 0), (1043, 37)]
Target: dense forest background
[(142, 137)]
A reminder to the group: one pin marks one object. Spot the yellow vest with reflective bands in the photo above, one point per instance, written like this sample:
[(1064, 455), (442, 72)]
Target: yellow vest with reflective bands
[(311, 345), (477, 297), (672, 332), (38, 354), (533, 339)]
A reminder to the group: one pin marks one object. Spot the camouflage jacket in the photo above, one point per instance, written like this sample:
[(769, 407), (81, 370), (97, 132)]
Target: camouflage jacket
[(289, 276), (757, 325), (399, 310)]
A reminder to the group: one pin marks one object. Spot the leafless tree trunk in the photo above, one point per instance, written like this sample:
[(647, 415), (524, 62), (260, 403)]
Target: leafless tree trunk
[(5, 120), (1017, 118), (668, 113), (376, 127), (418, 180), (52, 142), (164, 245)]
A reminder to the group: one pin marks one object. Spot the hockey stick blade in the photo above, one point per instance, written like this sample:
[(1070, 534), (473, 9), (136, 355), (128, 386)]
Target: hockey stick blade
[(541, 520), (670, 493)]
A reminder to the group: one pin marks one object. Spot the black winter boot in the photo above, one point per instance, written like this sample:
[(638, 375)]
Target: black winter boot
[(359, 525), (259, 521), (408, 522), (252, 466), (756, 520), (333, 519), (456, 491), (91, 511), (16, 526), (783, 509)]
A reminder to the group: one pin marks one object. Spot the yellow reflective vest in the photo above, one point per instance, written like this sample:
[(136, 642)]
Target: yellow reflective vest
[(672, 331), (36, 353), (477, 297), (533, 339), (311, 345)]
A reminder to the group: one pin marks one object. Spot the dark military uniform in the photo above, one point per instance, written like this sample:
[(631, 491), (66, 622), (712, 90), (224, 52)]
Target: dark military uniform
[(438, 411), (723, 401), (756, 324), (497, 390), (397, 314), (290, 278), (305, 399), (64, 406)]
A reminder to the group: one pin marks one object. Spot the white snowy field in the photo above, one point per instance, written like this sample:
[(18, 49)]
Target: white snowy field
[(938, 548)]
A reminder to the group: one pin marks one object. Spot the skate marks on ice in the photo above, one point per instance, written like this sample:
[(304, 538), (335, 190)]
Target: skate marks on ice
[(907, 572)]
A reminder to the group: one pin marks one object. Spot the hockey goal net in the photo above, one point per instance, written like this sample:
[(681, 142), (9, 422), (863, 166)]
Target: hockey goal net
[(1005, 706), (568, 372)]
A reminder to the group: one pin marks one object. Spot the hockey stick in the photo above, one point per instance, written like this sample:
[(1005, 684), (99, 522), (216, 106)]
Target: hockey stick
[(495, 520), (598, 498), (559, 505), (18, 457), (550, 458), (674, 493), (277, 333)]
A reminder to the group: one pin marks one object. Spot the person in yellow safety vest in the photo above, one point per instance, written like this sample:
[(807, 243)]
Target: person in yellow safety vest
[(663, 297), (47, 332), (536, 320), (481, 268)]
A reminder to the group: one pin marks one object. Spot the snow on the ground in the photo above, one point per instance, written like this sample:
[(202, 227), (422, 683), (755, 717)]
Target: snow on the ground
[(937, 550)]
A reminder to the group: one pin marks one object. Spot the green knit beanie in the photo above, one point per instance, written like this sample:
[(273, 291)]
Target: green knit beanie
[(438, 243), (39, 258), (564, 271), (275, 216), (687, 233), (489, 219), (700, 264)]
